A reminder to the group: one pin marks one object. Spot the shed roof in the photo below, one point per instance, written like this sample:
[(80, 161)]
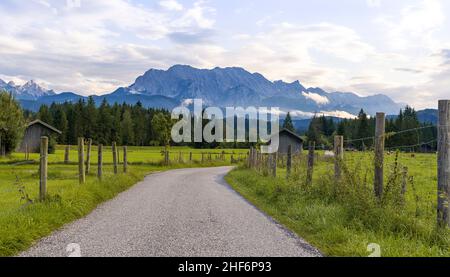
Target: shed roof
[(40, 122), (290, 133)]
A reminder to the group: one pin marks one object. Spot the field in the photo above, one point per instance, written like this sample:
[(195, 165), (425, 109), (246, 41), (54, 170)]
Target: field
[(340, 218), (343, 218), (23, 219)]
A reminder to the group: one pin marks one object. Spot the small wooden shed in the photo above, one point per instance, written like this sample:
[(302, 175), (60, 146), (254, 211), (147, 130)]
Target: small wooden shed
[(286, 138), (33, 133)]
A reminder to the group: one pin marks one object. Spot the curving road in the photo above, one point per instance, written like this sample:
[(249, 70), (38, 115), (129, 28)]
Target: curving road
[(181, 213)]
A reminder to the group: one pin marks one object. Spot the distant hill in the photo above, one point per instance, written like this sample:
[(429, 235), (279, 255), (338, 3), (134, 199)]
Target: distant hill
[(222, 87)]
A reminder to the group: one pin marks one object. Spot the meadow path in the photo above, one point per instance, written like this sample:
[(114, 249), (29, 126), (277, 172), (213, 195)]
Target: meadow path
[(181, 213)]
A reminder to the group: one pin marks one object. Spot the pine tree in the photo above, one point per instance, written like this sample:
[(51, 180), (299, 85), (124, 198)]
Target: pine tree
[(287, 124), (12, 123), (363, 131), (104, 123), (61, 123), (127, 131), (45, 115)]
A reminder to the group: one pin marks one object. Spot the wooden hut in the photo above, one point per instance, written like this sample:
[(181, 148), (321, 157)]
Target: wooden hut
[(286, 138), (33, 133)]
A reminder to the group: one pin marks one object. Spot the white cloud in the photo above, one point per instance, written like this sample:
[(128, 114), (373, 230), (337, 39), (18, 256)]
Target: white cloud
[(97, 46), (319, 99), (171, 5)]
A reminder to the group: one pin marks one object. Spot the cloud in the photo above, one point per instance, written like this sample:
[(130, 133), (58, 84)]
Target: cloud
[(319, 99), (414, 26), (171, 5), (99, 45)]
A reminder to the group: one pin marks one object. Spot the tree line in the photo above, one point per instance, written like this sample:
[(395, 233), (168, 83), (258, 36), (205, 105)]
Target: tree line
[(122, 123), (404, 132)]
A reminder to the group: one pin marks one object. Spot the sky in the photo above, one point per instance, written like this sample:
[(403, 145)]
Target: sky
[(398, 48)]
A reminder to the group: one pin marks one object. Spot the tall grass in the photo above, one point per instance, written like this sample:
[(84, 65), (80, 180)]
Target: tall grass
[(341, 217)]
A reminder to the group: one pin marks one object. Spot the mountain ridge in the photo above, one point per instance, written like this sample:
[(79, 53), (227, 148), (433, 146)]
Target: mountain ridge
[(222, 87)]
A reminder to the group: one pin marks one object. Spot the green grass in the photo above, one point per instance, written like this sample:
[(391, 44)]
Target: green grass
[(21, 224), (342, 218)]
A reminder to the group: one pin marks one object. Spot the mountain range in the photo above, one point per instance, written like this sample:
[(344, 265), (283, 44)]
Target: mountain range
[(222, 87)]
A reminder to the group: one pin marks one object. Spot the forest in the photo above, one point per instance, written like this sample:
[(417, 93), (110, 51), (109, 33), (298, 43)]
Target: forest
[(404, 132)]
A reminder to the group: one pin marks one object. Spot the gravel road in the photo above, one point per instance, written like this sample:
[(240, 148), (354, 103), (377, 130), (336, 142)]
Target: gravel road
[(180, 213)]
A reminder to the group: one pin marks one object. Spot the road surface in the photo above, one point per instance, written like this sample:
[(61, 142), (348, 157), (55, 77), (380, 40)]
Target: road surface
[(180, 213)]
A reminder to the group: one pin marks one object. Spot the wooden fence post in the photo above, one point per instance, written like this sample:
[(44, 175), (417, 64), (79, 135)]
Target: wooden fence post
[(88, 156), (274, 164), (289, 161), (125, 159), (114, 152), (190, 156), (379, 155), (67, 154), (203, 157), (166, 157), (443, 210), (338, 156), (311, 156), (100, 162), (43, 171), (81, 171)]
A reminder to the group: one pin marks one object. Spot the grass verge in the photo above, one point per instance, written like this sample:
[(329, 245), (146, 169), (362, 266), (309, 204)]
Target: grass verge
[(23, 223), (341, 227)]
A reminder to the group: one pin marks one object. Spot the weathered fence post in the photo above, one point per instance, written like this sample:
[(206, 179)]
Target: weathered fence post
[(81, 172), (43, 171), (289, 161), (274, 164), (26, 152), (114, 152), (100, 162), (443, 212), (379, 155), (203, 157), (311, 156), (180, 157), (125, 159), (190, 156), (67, 154), (338, 156), (166, 157), (88, 156)]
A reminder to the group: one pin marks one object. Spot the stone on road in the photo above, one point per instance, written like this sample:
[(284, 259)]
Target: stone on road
[(179, 213)]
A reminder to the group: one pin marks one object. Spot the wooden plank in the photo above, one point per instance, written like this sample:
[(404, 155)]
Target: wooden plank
[(67, 154), (88, 156), (114, 152), (43, 169), (338, 156), (311, 156), (100, 162), (125, 159), (81, 171), (379, 155), (443, 160), (289, 161)]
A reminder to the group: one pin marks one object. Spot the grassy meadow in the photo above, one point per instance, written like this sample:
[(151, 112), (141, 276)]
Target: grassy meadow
[(342, 218), (23, 219)]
